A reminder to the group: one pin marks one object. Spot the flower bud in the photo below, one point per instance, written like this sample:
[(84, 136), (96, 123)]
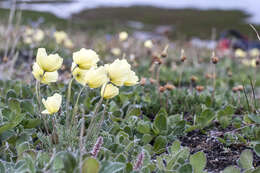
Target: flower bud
[(199, 88)]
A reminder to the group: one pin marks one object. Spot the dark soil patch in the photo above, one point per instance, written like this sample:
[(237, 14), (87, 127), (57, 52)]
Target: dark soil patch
[(218, 155)]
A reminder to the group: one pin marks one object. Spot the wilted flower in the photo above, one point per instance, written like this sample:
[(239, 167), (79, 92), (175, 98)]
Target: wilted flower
[(96, 77), (118, 71), (85, 58), (48, 63), (240, 53), (116, 51), (52, 104), (109, 91), (123, 36), (148, 44), (44, 77), (79, 74)]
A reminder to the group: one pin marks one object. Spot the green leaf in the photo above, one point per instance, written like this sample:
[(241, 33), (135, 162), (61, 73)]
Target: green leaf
[(176, 146), (14, 105), (147, 138), (255, 118), (143, 127), (246, 159), (160, 144), (187, 168), (161, 120), (64, 161), (10, 94), (31, 123), (257, 149), (198, 161), (231, 169), (111, 167), (225, 116), (205, 118), (90, 165), (2, 167), (6, 126)]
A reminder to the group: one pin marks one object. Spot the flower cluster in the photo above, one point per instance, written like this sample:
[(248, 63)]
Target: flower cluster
[(33, 35), (46, 66), (86, 72)]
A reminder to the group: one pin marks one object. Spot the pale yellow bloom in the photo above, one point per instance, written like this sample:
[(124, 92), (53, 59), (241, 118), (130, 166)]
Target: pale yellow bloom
[(109, 91), (38, 35), (254, 52), (118, 71), (123, 36), (240, 53), (148, 44), (96, 77), (116, 51), (48, 63), (131, 80), (68, 44), (246, 62), (47, 77), (79, 74), (253, 62), (60, 36), (52, 104), (85, 58), (33, 35)]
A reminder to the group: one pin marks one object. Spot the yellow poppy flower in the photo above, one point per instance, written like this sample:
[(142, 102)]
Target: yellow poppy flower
[(123, 36), (60, 36), (118, 71), (254, 52), (96, 77), (109, 91), (148, 44), (240, 53), (116, 51), (85, 58), (46, 77), (79, 74), (52, 104), (131, 80), (48, 63)]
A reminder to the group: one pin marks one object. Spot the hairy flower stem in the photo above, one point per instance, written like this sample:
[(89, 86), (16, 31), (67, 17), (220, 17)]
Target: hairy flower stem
[(68, 103), (37, 90), (214, 76), (180, 77), (81, 143), (92, 122), (38, 95), (158, 79), (94, 118), (100, 122), (75, 109)]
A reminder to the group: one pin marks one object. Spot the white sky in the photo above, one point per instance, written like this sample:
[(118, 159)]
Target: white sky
[(65, 10)]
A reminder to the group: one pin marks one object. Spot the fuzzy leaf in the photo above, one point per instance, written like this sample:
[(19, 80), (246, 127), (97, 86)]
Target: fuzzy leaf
[(111, 167), (231, 169), (198, 161), (246, 159), (90, 165)]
